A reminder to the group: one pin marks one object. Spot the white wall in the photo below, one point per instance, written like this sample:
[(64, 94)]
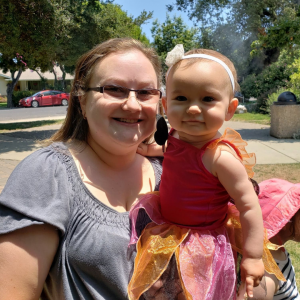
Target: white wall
[(3, 86)]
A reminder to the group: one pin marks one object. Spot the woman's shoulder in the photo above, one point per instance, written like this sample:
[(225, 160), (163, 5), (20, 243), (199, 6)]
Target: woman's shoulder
[(38, 190)]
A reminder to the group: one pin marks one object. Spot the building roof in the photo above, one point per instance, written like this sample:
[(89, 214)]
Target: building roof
[(31, 75), (4, 76)]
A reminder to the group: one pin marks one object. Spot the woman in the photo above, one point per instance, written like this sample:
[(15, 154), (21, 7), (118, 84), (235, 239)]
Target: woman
[(65, 235), (280, 203)]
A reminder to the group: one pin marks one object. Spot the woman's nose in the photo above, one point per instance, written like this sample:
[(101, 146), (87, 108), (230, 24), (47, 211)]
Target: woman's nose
[(132, 103), (193, 109)]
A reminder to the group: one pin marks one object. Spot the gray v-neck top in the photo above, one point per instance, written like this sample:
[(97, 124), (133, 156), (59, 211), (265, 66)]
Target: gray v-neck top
[(92, 260)]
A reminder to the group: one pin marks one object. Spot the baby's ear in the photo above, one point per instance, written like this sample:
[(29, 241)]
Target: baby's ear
[(234, 102), (164, 103)]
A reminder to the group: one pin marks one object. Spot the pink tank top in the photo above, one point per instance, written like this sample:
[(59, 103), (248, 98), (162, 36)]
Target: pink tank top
[(190, 195)]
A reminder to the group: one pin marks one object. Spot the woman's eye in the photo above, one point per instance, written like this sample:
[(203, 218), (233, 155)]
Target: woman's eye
[(181, 98), (208, 99), (114, 89)]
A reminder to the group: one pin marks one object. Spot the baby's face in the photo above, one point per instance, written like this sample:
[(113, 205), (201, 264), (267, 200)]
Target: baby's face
[(198, 99)]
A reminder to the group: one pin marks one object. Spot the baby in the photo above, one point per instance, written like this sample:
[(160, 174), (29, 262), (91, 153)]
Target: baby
[(203, 171)]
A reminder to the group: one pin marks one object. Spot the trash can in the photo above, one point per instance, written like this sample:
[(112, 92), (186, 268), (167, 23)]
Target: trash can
[(285, 116)]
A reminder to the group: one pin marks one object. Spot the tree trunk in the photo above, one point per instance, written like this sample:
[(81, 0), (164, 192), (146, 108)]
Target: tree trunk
[(43, 80), (11, 86), (63, 76), (55, 78)]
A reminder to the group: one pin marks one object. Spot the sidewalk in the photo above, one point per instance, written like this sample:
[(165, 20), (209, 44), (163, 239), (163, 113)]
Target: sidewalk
[(16, 145)]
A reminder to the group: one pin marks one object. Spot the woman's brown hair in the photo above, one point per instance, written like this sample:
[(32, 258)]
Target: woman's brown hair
[(75, 127)]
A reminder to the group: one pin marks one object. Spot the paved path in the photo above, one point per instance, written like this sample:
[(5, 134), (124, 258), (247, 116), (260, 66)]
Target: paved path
[(16, 145)]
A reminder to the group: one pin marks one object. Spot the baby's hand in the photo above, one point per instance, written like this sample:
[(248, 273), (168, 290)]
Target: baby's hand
[(150, 150), (252, 271), (142, 149)]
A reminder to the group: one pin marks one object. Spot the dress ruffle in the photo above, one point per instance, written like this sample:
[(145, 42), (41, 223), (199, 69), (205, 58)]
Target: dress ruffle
[(204, 258), (234, 230), (236, 141)]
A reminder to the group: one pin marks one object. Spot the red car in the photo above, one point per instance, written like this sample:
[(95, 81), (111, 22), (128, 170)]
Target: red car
[(45, 98)]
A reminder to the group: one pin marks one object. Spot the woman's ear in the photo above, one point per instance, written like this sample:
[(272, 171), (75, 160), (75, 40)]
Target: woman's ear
[(82, 102), (234, 102)]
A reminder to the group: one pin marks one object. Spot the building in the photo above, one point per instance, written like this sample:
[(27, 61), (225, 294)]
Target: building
[(31, 81)]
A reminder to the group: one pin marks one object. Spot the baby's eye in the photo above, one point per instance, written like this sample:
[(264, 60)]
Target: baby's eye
[(181, 98), (208, 99)]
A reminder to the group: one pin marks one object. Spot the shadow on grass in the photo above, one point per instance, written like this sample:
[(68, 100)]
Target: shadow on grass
[(24, 125), (23, 141)]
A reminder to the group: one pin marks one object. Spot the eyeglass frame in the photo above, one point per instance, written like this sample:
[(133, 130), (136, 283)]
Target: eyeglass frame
[(100, 89)]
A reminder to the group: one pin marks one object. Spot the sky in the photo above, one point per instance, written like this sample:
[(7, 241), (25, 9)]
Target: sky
[(135, 7)]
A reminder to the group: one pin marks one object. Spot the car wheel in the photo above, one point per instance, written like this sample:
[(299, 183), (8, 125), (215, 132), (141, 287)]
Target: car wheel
[(34, 104), (64, 102)]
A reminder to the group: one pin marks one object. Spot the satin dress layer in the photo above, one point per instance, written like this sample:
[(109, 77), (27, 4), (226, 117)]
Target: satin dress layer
[(190, 215)]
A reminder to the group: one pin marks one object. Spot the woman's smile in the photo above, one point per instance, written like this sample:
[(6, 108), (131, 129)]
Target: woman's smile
[(128, 121)]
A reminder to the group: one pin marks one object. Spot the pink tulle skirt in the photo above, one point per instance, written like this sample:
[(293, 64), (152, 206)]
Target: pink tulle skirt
[(203, 257)]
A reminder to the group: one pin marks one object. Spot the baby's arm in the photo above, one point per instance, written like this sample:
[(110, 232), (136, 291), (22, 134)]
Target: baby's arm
[(150, 150), (233, 176)]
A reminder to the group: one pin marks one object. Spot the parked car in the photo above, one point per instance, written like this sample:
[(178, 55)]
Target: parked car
[(45, 98)]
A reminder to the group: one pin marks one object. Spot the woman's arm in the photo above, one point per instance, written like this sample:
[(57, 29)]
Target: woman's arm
[(233, 176), (26, 256)]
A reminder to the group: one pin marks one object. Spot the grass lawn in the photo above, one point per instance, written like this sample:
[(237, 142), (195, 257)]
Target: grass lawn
[(23, 125), (289, 172), (252, 118), (3, 105)]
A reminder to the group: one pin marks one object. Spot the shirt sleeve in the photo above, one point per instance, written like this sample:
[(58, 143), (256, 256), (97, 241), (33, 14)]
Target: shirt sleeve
[(37, 192)]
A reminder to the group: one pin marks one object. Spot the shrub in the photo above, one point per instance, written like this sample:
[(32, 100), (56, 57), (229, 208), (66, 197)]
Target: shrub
[(270, 99), (18, 95)]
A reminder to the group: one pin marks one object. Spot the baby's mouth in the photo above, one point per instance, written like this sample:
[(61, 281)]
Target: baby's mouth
[(128, 120)]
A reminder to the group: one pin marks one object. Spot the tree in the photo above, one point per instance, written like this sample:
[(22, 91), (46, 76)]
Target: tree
[(284, 32), (251, 18), (48, 32), (26, 36), (93, 23), (170, 33)]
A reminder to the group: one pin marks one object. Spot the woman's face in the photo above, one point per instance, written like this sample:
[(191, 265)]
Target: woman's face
[(117, 125)]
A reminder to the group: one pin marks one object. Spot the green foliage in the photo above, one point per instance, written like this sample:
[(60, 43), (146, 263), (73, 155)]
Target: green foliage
[(284, 32), (243, 23), (271, 99), (295, 77), (38, 33), (168, 34), (18, 95), (272, 77)]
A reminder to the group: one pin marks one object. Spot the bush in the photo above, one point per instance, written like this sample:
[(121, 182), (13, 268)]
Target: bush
[(270, 99), (17, 96)]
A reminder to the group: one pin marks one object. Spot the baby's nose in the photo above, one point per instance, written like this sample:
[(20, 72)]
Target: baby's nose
[(194, 109)]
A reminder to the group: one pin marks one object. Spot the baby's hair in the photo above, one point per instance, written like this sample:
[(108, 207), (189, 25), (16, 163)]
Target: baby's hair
[(213, 53)]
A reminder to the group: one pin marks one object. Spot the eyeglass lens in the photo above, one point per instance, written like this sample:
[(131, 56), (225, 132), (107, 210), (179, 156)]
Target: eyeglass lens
[(121, 93)]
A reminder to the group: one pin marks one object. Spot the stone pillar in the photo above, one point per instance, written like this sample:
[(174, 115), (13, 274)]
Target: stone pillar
[(285, 120)]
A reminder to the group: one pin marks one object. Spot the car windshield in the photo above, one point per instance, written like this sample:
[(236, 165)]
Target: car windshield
[(36, 94)]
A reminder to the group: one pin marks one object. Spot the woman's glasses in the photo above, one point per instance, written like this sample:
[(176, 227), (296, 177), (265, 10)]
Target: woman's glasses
[(121, 93)]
